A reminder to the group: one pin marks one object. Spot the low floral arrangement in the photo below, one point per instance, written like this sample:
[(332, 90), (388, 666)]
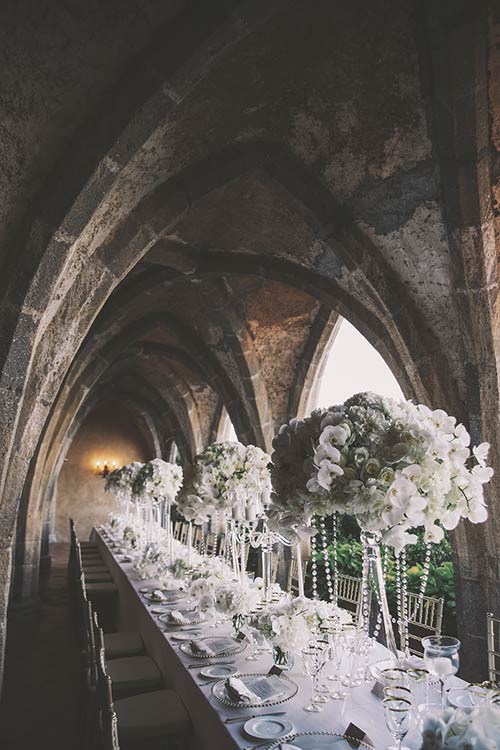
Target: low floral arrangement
[(237, 600), (289, 623), (121, 481), (228, 477), (158, 480), (463, 729), (130, 537), (394, 466)]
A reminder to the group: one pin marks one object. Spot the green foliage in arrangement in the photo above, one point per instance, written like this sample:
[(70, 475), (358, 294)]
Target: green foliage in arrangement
[(440, 583)]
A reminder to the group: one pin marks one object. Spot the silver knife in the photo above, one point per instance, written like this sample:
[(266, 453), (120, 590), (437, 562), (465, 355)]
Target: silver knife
[(200, 665), (234, 719)]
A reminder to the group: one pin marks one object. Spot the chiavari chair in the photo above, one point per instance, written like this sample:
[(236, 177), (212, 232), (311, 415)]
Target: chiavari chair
[(493, 640)]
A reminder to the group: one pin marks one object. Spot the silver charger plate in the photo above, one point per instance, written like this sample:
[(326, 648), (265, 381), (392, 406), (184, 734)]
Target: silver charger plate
[(289, 687), (192, 618), (234, 646), (320, 741), (171, 597), (219, 671)]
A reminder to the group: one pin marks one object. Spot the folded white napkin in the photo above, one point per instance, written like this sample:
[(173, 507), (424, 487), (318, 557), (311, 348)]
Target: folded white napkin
[(287, 746), (198, 647), (238, 691), (177, 617)]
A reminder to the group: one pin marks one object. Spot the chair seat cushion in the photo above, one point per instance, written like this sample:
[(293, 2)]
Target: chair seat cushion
[(126, 643), (133, 674), (151, 715), (97, 577), (100, 589)]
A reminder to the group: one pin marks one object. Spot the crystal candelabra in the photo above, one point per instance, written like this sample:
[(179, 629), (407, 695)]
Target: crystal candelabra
[(246, 532)]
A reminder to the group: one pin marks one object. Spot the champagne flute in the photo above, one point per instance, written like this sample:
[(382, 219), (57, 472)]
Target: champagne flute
[(397, 719), (313, 660), (441, 659)]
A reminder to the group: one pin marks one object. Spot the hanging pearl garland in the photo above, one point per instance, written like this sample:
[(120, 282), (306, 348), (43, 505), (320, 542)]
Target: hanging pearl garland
[(314, 569), (335, 564), (326, 560)]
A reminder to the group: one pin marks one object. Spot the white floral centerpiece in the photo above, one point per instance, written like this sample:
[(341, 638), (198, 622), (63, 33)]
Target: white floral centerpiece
[(158, 480), (289, 624), (237, 600), (394, 466), (228, 477), (463, 729), (121, 481)]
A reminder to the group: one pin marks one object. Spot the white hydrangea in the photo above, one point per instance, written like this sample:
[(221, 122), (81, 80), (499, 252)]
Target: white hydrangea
[(463, 729), (224, 476), (157, 481), (394, 466)]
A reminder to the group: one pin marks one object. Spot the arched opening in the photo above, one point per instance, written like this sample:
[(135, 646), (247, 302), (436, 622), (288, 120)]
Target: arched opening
[(349, 365), (226, 431)]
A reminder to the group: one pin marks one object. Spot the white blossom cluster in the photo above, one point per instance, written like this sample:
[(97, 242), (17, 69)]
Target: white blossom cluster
[(394, 466), (223, 477), (289, 623), (158, 480), (463, 729), (121, 481)]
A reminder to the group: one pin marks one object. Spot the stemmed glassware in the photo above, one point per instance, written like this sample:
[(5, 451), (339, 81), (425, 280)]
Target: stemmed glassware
[(314, 658), (397, 718), (441, 659)]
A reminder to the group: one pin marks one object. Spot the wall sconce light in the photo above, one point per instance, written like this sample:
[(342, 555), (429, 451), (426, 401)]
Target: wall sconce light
[(103, 468)]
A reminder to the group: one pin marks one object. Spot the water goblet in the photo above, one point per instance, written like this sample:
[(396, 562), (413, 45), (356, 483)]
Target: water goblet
[(398, 692), (397, 719), (333, 666), (395, 676), (441, 659), (313, 660)]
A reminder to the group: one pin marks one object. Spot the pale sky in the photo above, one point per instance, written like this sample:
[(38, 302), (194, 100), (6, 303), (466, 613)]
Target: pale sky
[(354, 365)]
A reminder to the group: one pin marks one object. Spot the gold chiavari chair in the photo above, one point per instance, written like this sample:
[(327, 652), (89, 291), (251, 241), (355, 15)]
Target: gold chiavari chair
[(184, 532), (425, 617), (292, 585), (350, 595), (493, 640), (197, 538), (177, 530), (149, 720)]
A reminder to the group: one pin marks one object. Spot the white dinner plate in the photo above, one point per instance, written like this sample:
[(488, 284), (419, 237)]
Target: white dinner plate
[(171, 597), (268, 727), (188, 636), (192, 618), (219, 671)]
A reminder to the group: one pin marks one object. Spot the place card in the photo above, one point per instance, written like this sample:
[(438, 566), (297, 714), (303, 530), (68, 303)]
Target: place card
[(378, 690), (275, 670), (241, 636), (356, 736)]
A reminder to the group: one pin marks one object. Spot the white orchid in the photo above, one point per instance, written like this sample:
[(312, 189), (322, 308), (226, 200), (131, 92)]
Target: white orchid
[(463, 729), (395, 466)]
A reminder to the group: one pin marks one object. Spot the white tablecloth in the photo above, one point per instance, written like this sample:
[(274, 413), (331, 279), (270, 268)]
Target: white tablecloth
[(208, 716)]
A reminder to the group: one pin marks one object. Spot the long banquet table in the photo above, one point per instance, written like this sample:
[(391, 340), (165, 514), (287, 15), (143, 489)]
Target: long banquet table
[(208, 716)]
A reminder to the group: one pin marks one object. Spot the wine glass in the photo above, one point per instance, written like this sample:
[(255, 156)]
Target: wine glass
[(397, 719), (441, 659), (313, 659)]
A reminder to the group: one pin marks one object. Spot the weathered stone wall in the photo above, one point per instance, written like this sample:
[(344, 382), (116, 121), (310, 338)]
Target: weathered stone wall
[(109, 432), (194, 191)]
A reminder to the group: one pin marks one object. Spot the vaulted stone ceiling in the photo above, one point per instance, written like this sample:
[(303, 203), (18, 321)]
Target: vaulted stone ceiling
[(194, 191)]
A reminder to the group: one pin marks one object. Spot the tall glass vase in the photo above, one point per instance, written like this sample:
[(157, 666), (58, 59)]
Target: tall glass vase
[(375, 616)]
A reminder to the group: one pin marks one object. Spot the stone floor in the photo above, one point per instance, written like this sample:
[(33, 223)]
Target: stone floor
[(39, 707)]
